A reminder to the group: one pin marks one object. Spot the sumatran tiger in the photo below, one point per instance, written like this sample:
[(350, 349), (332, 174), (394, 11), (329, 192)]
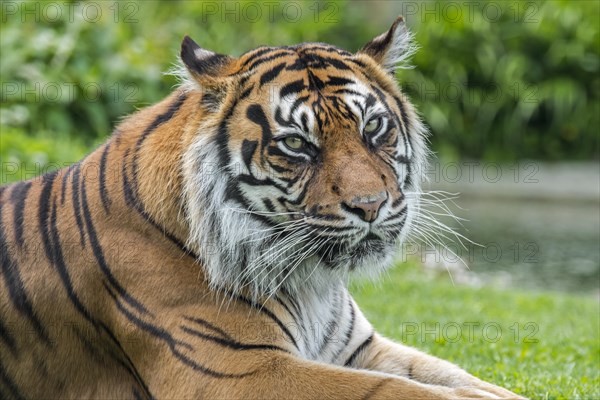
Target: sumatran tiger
[(203, 251)]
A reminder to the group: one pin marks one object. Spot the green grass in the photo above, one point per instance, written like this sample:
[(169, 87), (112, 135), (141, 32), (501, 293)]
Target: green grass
[(554, 354)]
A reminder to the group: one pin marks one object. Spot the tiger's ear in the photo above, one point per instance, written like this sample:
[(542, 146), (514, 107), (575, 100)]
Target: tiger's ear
[(202, 63), (392, 48)]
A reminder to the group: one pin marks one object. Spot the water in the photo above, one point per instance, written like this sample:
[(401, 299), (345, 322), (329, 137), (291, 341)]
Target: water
[(539, 225), (532, 244)]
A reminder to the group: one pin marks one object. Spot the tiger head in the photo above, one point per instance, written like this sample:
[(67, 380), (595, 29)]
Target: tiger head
[(305, 166)]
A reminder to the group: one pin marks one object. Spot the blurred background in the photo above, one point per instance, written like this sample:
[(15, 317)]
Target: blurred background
[(509, 89)]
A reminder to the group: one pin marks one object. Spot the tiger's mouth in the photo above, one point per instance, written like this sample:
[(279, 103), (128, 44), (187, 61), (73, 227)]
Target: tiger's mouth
[(371, 246), (365, 246)]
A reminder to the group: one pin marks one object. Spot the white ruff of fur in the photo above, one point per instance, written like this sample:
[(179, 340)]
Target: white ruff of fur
[(227, 240)]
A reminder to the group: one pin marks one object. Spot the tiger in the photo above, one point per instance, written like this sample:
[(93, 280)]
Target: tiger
[(204, 250)]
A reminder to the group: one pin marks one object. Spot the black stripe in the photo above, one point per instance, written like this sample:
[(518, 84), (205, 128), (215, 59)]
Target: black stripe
[(371, 99), (53, 248), (399, 214), (129, 189), (211, 100), (409, 373), (348, 91), (394, 229), (304, 121), (246, 92), (292, 87), (268, 313), (98, 351), (256, 114), (233, 192), (290, 121), (332, 325), (385, 157), (7, 338), (137, 395), (408, 180), (210, 326), (293, 303), (154, 330), (252, 181), (248, 148), (397, 202), (232, 344), (357, 62), (222, 139), (349, 331), (302, 194), (99, 255), (290, 159), (93, 349), (75, 198), (408, 138), (43, 217), (287, 309), (12, 387), (106, 202), (339, 81), (18, 196), (14, 282), (403, 114), (271, 74), (65, 179), (375, 388), (400, 121), (269, 58), (339, 64), (165, 336), (132, 201), (268, 205), (160, 119), (314, 82), (358, 350), (256, 53), (324, 47)]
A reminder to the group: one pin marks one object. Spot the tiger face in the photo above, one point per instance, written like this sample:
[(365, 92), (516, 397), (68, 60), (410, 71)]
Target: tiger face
[(307, 165)]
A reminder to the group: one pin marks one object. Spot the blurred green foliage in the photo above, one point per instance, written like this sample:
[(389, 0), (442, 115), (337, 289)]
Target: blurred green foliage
[(495, 80), (511, 81)]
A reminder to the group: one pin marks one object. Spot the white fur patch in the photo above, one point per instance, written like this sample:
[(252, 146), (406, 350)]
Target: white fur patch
[(400, 50)]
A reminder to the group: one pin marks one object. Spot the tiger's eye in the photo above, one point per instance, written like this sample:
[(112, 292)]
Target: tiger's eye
[(373, 125), (294, 142)]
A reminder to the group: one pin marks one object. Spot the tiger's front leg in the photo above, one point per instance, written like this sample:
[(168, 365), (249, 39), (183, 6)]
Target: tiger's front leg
[(227, 355), (381, 354), (277, 375)]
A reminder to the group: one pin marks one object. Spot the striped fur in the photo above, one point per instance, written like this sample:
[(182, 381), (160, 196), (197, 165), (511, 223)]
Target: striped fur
[(199, 253)]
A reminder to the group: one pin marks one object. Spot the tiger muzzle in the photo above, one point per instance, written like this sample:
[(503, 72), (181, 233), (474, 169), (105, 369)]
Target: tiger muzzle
[(366, 207)]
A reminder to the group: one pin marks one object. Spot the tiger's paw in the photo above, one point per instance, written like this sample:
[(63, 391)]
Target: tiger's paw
[(484, 390)]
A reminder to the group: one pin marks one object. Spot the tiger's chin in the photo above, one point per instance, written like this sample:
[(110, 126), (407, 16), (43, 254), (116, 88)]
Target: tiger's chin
[(368, 256)]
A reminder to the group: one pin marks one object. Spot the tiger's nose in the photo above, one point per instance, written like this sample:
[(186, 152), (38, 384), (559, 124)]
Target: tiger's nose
[(367, 207)]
